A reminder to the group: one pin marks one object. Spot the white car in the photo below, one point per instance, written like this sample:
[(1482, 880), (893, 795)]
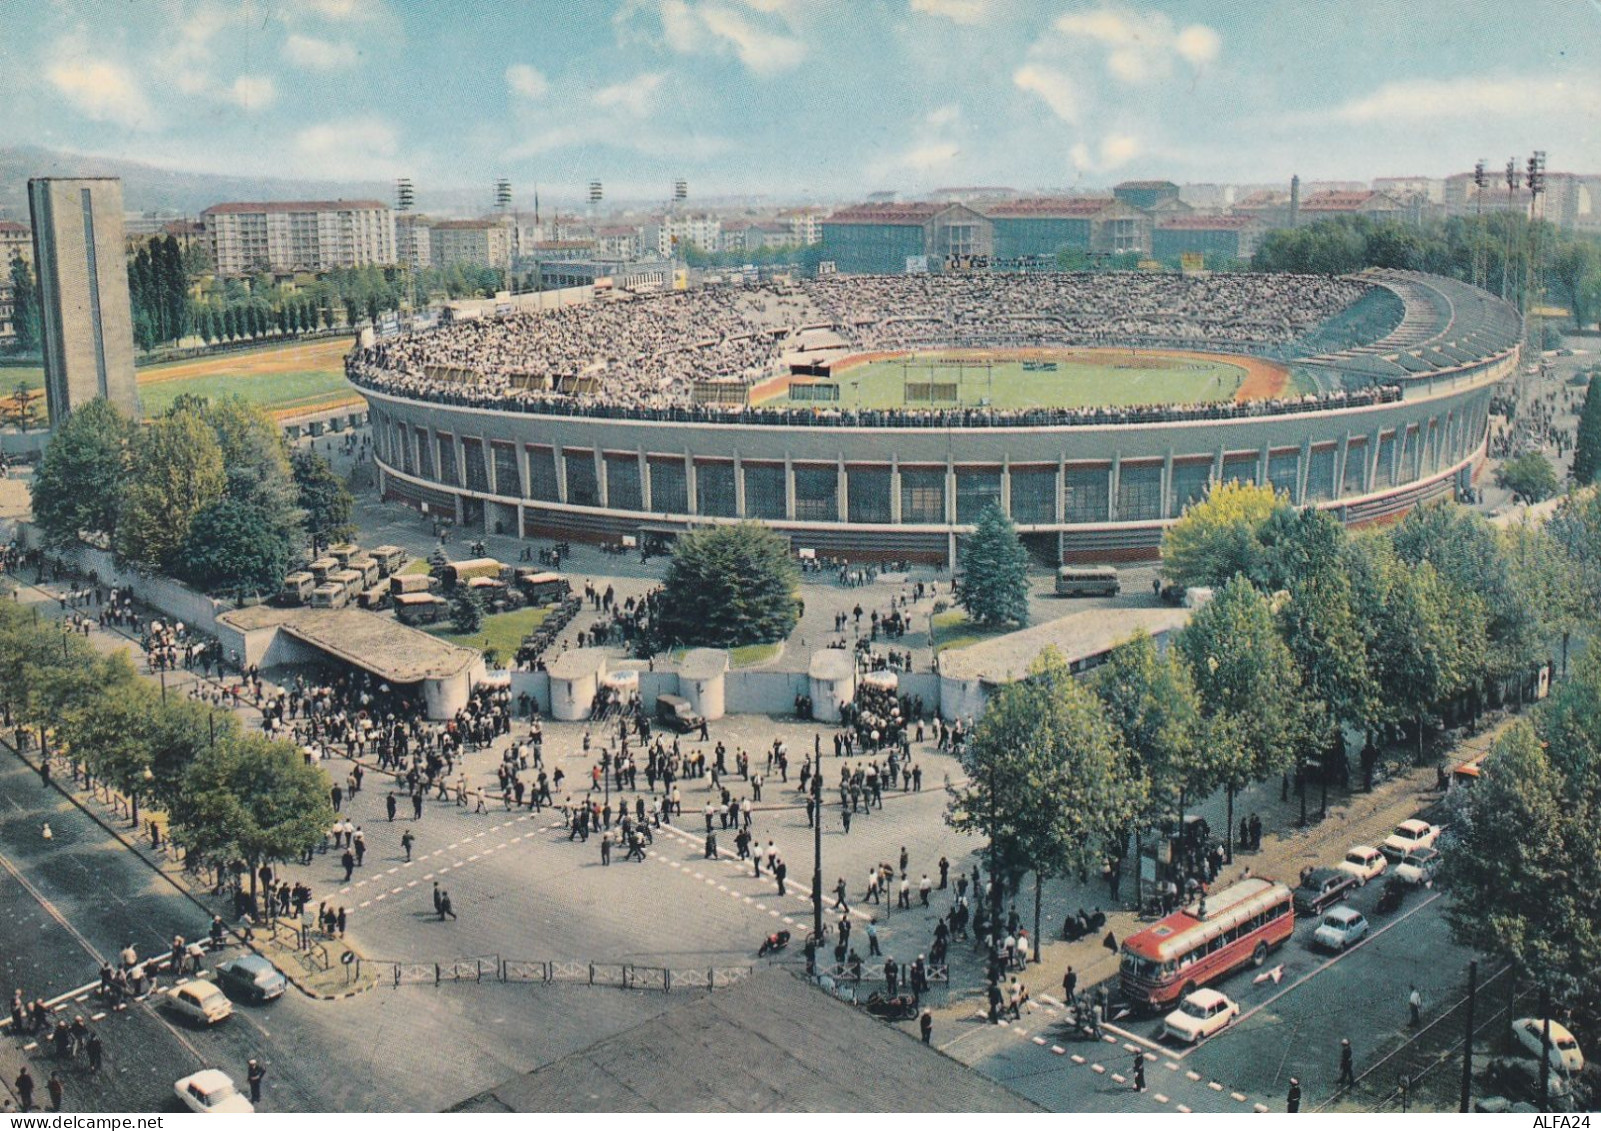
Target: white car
[(1340, 928), (199, 1001), (210, 1091), (1420, 867), (1565, 1051), (1364, 862), (1200, 1015), (1409, 835)]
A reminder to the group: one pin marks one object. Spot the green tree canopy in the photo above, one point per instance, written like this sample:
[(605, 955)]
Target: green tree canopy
[(327, 504), (1587, 440), (726, 586), (234, 547), (1150, 699), (1221, 535), (176, 472), (79, 482), (466, 610), (25, 308), (1530, 477), (993, 586)]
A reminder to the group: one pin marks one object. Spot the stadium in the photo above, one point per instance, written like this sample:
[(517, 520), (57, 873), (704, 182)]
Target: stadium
[(875, 417)]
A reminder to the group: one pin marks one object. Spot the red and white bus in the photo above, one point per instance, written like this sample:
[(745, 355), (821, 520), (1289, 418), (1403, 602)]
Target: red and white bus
[(1189, 949)]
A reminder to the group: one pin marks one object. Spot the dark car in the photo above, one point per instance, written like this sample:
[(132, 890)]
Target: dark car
[(251, 977), (1320, 888)]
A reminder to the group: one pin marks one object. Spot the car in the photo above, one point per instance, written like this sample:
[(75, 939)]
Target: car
[(199, 1001), (252, 978), (1321, 887), (1407, 836), (1342, 927), (1199, 1015), (212, 1091), (677, 713), (1363, 862), (1521, 1075), (1420, 867), (1565, 1051)]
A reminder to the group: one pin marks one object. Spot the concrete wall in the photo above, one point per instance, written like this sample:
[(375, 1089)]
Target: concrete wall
[(764, 692), (175, 600)]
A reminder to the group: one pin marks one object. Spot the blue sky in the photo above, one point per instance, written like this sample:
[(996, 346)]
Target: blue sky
[(805, 98)]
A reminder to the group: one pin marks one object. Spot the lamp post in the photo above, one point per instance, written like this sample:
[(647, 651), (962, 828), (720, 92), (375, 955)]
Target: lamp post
[(817, 847)]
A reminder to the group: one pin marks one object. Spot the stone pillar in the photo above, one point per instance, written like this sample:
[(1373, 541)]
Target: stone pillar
[(841, 491), (601, 492), (1167, 508), (739, 485), (1302, 471), (644, 482), (691, 489), (1006, 485), (789, 487), (558, 454), (894, 489), (522, 467), (1113, 483)]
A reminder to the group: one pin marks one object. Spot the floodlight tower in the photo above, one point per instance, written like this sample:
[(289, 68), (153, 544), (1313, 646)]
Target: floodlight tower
[(404, 199), (1507, 291), (503, 206), (1480, 180), (1533, 276)]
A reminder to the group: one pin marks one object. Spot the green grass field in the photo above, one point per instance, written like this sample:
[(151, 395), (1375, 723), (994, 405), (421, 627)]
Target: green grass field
[(275, 391), (1081, 380), (501, 632)]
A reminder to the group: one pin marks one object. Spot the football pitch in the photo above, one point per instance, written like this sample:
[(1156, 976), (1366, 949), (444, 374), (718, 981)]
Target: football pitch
[(1067, 378)]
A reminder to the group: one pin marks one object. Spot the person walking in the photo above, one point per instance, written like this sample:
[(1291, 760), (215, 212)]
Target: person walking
[(840, 903), (439, 901), (1292, 1102), (925, 1023), (97, 1051), (57, 1087), (1139, 1070), (780, 870), (406, 841), (872, 939), (24, 1086), (1069, 984), (390, 806), (445, 910), (1347, 1067), (1414, 1003), (347, 860), (254, 1075), (605, 847)]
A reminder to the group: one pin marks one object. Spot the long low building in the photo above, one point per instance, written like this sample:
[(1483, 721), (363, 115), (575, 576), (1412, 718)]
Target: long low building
[(1404, 419)]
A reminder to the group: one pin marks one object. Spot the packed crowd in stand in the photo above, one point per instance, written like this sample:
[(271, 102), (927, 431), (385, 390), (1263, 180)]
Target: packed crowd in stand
[(642, 358)]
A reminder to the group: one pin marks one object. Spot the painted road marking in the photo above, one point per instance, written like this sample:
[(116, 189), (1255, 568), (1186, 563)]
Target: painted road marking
[(1096, 1068), (1214, 1085), (1159, 1098), (1259, 1108), (1237, 1097), (1077, 1059), (1058, 1049), (1181, 1107)]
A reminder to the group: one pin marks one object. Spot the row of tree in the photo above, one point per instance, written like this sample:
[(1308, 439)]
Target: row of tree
[(230, 796), (158, 290), (1311, 635), (209, 493)]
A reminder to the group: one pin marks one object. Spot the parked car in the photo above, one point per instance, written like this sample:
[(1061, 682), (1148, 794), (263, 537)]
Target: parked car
[(1364, 863), (1565, 1052), (1342, 927), (1407, 836), (252, 978), (1420, 867), (199, 1001), (1199, 1015), (1320, 888), (211, 1090), (675, 712)]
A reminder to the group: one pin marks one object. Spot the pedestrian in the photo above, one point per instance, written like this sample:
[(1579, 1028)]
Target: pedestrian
[(255, 1074), (438, 901), (923, 889), (926, 1024), (605, 847), (96, 1049), (1347, 1070), (1069, 984), (780, 870), (24, 1085), (390, 805), (840, 903), (1292, 1102), (57, 1089), (872, 939), (1139, 1070), (1414, 1002), (347, 860), (406, 841), (445, 909)]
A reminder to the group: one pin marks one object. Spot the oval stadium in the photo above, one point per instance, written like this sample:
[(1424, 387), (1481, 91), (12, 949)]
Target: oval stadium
[(875, 417)]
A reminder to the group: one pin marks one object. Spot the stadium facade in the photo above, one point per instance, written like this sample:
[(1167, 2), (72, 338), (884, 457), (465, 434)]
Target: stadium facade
[(1081, 491)]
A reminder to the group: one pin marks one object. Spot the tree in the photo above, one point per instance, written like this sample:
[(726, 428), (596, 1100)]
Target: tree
[(1219, 536), (728, 585), (1249, 689), (1587, 440), (234, 547), (256, 457), (327, 504), (993, 586), (1530, 477), (1048, 779), (113, 733), (466, 610), (26, 313), (176, 472), (23, 410), (1547, 578), (79, 482)]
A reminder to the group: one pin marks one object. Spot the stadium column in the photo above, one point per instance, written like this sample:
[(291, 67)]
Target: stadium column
[(1006, 484), (558, 455), (691, 488), (950, 495), (458, 453), (1370, 473), (644, 481), (789, 487), (1166, 507), (1303, 470), (601, 494), (1061, 487), (739, 486), (490, 471), (1217, 465), (894, 489), (1114, 485), (841, 502), (1341, 451), (1261, 467)]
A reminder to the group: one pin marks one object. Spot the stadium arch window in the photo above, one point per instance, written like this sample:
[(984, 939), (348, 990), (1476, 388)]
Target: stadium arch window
[(583, 490), (976, 490), (622, 483), (1282, 471), (817, 494), (1411, 455), (1241, 468), (447, 459), (1034, 496), (714, 490), (477, 471), (1431, 450), (669, 489), (508, 477), (1320, 475), (1139, 492), (542, 475), (425, 454), (408, 462), (923, 495), (1086, 494), (1356, 457), (764, 490), (1190, 481), (867, 494), (1385, 475)]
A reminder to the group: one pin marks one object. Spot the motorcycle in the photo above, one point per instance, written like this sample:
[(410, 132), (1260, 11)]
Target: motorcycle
[(901, 1007), (773, 943)]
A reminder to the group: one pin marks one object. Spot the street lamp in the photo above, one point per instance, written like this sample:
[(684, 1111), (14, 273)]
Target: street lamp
[(817, 847)]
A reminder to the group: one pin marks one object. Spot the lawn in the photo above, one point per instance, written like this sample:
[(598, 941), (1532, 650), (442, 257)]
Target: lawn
[(416, 565), (1081, 378), (954, 630), (744, 656), (501, 632), (276, 391)]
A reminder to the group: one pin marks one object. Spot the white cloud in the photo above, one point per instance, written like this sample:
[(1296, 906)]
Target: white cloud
[(930, 158), (720, 27), (1139, 47), (1054, 88), (958, 11), (252, 92), (526, 81), (100, 89), (637, 96), (318, 54), (761, 50), (1116, 150), (347, 148), (342, 11), (1413, 101)]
